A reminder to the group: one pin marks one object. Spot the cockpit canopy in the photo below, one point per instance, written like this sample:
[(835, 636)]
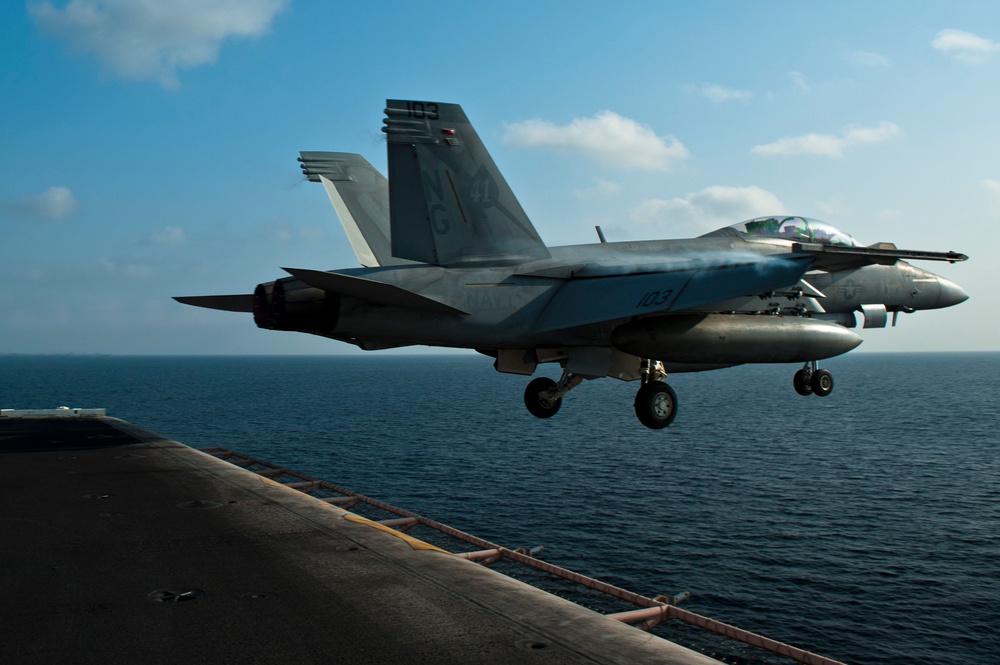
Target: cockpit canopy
[(796, 228)]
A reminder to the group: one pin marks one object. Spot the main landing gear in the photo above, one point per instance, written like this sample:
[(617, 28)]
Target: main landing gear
[(811, 380), (655, 402), (543, 396)]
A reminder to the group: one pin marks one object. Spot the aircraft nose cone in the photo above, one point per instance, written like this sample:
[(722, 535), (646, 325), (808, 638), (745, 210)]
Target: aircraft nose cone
[(951, 293)]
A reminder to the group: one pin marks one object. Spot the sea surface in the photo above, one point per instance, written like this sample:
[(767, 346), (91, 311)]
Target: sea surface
[(864, 526)]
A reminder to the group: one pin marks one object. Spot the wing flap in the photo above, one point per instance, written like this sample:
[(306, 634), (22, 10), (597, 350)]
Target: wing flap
[(379, 293), (583, 301)]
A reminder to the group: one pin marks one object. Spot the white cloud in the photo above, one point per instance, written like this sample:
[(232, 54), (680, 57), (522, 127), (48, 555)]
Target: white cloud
[(868, 59), (835, 207), (799, 79), (992, 185), (607, 136), (153, 39), (600, 189), (965, 46), (713, 207), (311, 234), (170, 236), (53, 203), (128, 269), (719, 94), (284, 231), (829, 145)]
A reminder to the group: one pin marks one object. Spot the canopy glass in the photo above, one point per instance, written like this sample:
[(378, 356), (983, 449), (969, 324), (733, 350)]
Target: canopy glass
[(796, 228)]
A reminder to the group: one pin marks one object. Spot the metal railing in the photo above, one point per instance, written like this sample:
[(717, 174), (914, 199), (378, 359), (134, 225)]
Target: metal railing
[(727, 643)]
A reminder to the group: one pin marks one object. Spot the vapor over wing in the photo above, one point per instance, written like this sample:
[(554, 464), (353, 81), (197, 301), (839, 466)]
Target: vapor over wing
[(584, 300)]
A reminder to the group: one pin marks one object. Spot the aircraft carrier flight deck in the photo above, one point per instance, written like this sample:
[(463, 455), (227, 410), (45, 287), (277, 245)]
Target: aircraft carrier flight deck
[(122, 546)]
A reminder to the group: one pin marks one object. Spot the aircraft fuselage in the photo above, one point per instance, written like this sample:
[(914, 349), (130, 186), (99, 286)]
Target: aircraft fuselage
[(505, 304)]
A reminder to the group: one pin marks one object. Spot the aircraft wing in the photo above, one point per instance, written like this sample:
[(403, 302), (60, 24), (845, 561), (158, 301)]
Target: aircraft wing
[(608, 296), (234, 303), (835, 257)]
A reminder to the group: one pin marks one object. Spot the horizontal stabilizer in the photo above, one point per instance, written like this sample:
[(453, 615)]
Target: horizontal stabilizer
[(235, 303), (583, 301), (379, 293)]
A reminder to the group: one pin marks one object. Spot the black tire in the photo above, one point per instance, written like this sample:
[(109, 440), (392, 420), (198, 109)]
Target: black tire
[(538, 407), (822, 382), (801, 383), (656, 405)]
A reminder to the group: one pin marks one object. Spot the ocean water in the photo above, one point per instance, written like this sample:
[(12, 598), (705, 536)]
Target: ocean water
[(864, 526)]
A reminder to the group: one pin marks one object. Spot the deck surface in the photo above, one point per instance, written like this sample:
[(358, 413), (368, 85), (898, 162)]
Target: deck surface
[(121, 546)]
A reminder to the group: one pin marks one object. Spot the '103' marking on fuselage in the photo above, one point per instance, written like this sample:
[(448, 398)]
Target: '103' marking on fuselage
[(655, 298)]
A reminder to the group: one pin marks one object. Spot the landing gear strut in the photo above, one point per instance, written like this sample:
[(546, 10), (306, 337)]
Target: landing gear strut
[(656, 405), (543, 396), (656, 402), (810, 380)]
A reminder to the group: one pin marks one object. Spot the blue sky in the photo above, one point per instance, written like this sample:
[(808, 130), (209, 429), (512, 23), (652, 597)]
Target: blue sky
[(149, 148)]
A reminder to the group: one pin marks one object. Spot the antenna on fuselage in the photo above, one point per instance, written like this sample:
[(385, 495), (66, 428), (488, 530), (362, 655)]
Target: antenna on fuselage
[(600, 234)]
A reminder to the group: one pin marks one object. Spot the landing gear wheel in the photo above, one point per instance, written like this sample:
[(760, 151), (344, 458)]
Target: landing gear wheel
[(822, 382), (656, 405), (802, 384), (539, 406)]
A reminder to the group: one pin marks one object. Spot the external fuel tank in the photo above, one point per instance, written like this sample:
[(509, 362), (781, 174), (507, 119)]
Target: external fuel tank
[(733, 338)]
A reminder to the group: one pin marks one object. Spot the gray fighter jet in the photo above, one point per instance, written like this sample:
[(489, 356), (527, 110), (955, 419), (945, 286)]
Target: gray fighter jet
[(450, 259)]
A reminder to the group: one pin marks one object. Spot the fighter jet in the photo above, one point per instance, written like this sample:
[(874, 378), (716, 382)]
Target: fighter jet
[(450, 259)]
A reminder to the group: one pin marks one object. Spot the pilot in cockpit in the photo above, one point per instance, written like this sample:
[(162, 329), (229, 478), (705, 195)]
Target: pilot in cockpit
[(794, 227)]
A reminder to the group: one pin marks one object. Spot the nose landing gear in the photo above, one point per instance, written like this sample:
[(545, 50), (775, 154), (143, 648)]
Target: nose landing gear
[(810, 380)]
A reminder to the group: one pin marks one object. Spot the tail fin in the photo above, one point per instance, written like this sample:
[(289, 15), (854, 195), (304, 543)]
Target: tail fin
[(448, 202), (360, 197)]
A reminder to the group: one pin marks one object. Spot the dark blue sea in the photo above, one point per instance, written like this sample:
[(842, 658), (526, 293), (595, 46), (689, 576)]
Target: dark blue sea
[(864, 526)]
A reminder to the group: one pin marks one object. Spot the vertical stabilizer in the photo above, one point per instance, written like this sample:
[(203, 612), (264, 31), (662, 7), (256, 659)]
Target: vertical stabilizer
[(360, 197), (448, 202)]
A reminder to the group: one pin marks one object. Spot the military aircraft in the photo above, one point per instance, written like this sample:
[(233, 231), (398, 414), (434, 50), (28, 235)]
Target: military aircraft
[(450, 259)]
